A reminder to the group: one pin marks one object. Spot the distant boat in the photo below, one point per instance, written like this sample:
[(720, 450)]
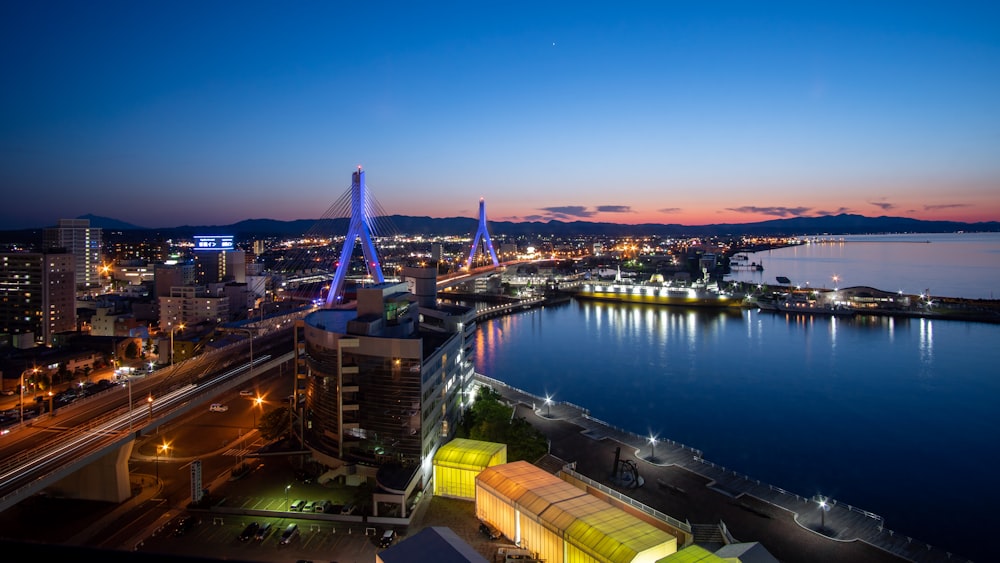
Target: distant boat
[(699, 295), (803, 303)]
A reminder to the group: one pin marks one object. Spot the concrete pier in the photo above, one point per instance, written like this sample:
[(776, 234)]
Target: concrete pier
[(681, 483)]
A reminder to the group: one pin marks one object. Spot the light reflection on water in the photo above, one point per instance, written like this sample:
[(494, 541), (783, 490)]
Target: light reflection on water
[(848, 407), (949, 265)]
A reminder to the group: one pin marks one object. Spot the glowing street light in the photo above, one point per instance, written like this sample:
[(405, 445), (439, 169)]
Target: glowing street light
[(149, 400), (21, 390), (172, 330), (160, 448), (258, 401), (548, 405), (652, 447), (824, 507)]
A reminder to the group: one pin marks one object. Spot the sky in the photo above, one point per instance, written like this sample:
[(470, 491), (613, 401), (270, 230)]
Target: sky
[(174, 113)]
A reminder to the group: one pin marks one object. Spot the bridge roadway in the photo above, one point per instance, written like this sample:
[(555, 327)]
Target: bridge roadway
[(100, 430), (457, 278)]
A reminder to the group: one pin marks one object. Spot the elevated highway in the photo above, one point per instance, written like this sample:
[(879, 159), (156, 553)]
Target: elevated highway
[(464, 276), (84, 447)]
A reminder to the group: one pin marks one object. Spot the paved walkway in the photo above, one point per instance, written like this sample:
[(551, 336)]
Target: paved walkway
[(680, 482)]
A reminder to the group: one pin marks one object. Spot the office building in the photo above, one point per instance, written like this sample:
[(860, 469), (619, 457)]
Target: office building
[(381, 387), (37, 296), (83, 242)]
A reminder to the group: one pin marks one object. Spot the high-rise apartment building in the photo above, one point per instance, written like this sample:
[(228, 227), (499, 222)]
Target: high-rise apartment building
[(83, 242), (37, 295), (170, 275), (190, 305), (214, 266)]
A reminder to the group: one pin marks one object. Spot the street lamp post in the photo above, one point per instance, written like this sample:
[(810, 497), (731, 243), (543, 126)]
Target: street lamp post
[(250, 334), (824, 507), (253, 408), (548, 406), (164, 447), (286, 496), (652, 448), (172, 330), (21, 391), (128, 383)]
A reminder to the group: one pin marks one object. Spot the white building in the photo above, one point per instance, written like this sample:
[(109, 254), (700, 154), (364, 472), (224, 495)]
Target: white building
[(191, 305), (83, 242)]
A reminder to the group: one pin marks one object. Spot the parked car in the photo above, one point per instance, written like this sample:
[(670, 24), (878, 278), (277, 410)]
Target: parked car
[(218, 407), (296, 505), (349, 508), (290, 533), (322, 506), (309, 506), (249, 531), (386, 539), (261, 533), (246, 393)]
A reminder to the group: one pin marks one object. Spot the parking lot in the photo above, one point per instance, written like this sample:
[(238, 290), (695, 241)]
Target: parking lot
[(323, 536), (218, 537)]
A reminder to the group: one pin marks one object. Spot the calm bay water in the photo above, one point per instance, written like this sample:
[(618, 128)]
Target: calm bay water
[(895, 416), (949, 265)]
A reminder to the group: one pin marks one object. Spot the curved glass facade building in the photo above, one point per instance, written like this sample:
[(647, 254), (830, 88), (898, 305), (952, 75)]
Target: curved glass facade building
[(385, 383)]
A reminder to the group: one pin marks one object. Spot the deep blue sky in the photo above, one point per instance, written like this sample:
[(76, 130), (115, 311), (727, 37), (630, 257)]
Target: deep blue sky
[(207, 113)]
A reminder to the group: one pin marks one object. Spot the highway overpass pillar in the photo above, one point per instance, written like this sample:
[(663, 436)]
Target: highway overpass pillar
[(106, 479)]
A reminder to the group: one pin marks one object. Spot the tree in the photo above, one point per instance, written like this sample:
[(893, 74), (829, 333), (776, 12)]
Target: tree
[(274, 423), (490, 420), (132, 350)]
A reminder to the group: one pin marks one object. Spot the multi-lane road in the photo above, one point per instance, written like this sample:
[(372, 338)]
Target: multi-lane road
[(42, 450)]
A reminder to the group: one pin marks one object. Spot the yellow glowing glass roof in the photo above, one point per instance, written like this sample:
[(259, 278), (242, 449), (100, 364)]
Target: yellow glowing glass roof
[(692, 554), (462, 453), (586, 521)]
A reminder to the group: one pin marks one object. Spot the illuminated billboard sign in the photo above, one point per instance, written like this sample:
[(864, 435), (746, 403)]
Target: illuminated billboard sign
[(214, 242)]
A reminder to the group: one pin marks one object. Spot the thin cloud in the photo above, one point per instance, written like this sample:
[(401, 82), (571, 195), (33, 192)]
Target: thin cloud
[(944, 206), (568, 211), (837, 212), (776, 211), (669, 210), (884, 205), (614, 209)]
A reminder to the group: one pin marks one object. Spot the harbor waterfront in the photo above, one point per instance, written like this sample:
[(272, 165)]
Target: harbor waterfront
[(965, 265), (857, 409)]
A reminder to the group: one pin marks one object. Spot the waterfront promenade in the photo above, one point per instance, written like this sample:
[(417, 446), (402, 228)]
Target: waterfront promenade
[(681, 483)]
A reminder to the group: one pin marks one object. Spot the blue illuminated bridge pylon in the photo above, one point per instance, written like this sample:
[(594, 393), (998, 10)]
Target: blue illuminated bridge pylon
[(360, 227), (484, 234)]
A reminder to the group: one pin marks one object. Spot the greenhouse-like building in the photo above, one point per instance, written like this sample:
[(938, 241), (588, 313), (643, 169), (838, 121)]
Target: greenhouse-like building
[(560, 522), (457, 463)]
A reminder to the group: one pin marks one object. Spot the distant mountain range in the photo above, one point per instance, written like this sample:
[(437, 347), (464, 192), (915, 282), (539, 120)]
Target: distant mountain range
[(842, 224)]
